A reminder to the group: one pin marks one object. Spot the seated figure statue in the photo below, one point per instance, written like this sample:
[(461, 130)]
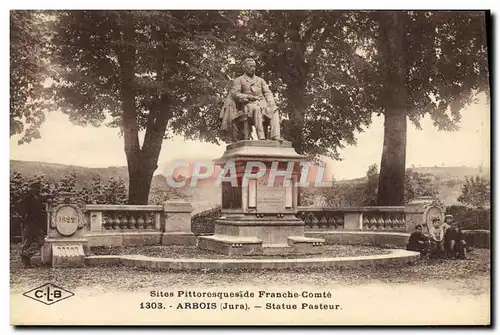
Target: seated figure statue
[(235, 123), (250, 103)]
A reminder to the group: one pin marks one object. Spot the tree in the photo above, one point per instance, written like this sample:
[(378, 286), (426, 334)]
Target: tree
[(476, 192), (163, 72), (310, 61), (157, 71), (28, 57), (419, 184), (427, 63), (371, 185), (162, 193), (332, 69)]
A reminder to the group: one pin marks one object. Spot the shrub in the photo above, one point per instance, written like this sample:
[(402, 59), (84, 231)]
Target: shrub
[(203, 223), (471, 218), (110, 192)]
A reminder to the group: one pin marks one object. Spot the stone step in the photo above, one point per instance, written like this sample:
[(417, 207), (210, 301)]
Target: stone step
[(277, 249)]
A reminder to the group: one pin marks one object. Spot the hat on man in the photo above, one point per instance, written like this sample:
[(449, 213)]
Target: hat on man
[(248, 60)]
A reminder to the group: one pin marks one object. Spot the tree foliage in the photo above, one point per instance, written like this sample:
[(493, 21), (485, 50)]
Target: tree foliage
[(167, 72), (419, 184), (98, 192), (157, 71), (476, 192), (29, 52), (427, 63), (371, 185), (161, 194)]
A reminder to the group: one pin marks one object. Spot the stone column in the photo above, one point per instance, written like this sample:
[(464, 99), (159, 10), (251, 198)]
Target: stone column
[(177, 225), (353, 221), (95, 221)]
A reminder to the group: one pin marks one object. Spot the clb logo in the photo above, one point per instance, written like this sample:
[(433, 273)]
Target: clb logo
[(48, 294)]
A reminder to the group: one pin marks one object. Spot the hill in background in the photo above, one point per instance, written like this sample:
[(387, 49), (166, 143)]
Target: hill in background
[(206, 195)]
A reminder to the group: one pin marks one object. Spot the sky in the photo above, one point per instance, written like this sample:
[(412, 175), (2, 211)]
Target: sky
[(64, 143)]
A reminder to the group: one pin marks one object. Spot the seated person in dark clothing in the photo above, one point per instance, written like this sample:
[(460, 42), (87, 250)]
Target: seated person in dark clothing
[(418, 241), (456, 242), (448, 220)]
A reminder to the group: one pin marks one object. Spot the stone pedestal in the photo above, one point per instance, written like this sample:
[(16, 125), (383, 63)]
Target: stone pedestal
[(64, 252), (422, 210), (65, 244), (177, 227), (258, 209)]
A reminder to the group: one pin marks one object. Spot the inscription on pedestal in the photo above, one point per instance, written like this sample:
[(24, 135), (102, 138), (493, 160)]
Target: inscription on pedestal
[(270, 199), (68, 255)]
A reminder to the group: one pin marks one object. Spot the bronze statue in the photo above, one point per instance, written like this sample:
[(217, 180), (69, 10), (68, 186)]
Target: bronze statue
[(250, 102)]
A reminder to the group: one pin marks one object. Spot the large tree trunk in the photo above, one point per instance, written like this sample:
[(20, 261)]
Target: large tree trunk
[(141, 164), (140, 177), (297, 106), (295, 132), (392, 167)]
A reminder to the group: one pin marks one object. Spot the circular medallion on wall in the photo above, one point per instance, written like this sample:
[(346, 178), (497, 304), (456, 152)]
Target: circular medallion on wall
[(67, 219)]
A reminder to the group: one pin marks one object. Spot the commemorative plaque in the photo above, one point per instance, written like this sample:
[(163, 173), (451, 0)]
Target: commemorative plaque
[(270, 199), (67, 219)]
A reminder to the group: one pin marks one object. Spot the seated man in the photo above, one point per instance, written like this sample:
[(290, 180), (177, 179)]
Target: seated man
[(257, 101), (448, 220), (456, 240), (418, 241), (436, 233), (235, 124)]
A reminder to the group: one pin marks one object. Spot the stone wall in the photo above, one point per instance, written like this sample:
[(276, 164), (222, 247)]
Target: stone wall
[(478, 238)]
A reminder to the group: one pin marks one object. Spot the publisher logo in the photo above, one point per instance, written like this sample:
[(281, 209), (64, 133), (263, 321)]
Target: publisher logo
[(48, 294)]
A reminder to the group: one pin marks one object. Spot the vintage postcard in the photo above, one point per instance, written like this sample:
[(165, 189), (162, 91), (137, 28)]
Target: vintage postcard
[(250, 167)]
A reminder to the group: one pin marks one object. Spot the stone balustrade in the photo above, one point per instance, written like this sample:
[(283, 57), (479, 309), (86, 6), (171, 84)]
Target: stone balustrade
[(126, 225), (377, 218), (124, 218)]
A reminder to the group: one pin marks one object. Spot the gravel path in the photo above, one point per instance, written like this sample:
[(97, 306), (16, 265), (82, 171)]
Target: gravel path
[(477, 266)]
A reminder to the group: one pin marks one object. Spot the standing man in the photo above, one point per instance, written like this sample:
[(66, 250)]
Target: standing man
[(257, 99), (34, 217)]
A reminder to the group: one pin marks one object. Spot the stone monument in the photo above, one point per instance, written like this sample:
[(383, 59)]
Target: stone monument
[(259, 197), (422, 210), (65, 244)]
